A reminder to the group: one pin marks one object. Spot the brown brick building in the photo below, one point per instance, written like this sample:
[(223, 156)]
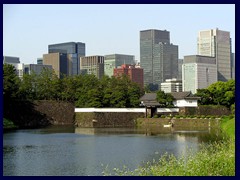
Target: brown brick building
[(135, 74)]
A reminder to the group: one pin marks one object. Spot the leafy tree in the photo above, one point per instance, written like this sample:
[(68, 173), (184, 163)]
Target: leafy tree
[(165, 99), (219, 93), (27, 88), (11, 82)]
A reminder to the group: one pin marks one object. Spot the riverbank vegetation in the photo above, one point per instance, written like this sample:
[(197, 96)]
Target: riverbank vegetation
[(213, 159), (7, 124)]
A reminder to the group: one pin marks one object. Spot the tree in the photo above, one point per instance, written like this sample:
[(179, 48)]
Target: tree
[(27, 90), (165, 99), (11, 82)]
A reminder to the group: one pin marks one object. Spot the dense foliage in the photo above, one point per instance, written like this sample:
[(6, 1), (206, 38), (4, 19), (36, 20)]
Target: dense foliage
[(219, 93), (83, 90), (165, 99)]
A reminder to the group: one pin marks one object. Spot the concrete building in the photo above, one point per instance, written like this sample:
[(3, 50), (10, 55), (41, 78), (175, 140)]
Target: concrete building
[(75, 50), (92, 65), (35, 68), (198, 72), (59, 63), (40, 61), (135, 74), (217, 43), (171, 85), (233, 65), (158, 57), (11, 60), (114, 60), (180, 62)]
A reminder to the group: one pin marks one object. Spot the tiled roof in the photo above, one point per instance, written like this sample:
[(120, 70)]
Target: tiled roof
[(149, 97), (183, 95)]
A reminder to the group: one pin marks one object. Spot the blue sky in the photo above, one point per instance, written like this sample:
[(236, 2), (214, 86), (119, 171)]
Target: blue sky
[(108, 29)]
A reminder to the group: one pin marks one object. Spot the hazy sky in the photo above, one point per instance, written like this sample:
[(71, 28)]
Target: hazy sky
[(108, 29)]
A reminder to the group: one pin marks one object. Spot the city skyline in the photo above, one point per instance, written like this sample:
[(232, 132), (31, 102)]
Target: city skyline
[(108, 29)]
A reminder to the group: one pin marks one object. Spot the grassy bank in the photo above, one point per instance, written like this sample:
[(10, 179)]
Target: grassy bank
[(215, 159), (8, 124)]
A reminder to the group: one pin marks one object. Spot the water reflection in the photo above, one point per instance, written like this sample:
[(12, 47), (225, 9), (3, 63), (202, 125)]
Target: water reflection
[(82, 151)]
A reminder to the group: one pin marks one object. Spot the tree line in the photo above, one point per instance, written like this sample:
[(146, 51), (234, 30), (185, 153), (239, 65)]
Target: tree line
[(89, 91), (82, 90)]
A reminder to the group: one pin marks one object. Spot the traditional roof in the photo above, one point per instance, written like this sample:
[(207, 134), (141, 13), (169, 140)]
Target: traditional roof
[(149, 100), (183, 95), (149, 97)]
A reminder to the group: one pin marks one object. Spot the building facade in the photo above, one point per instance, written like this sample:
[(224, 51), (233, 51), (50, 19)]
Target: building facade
[(92, 65), (75, 50), (10, 60), (158, 57), (59, 63), (198, 72), (233, 65), (135, 74), (171, 85), (35, 68), (40, 61), (217, 43), (180, 62), (114, 60)]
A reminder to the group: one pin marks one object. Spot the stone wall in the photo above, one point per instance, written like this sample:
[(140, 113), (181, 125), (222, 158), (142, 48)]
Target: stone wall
[(183, 122), (205, 110), (37, 114), (106, 119)]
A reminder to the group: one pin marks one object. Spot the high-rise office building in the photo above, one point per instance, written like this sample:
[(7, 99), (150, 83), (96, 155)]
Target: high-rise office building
[(180, 62), (92, 65), (114, 60), (35, 68), (198, 72), (59, 62), (75, 50), (11, 59), (40, 61), (233, 65), (217, 43), (158, 57), (134, 74)]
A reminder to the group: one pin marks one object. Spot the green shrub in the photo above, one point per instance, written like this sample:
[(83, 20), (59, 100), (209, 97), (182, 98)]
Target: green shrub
[(163, 116), (155, 116)]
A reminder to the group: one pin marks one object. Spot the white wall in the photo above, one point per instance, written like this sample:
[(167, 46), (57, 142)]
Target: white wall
[(110, 110), (185, 103), (137, 110)]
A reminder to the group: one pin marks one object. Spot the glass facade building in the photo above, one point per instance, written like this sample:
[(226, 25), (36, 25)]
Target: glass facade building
[(36, 68), (198, 72), (75, 50), (158, 57), (115, 60)]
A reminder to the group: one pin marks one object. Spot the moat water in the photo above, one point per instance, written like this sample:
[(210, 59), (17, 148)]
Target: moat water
[(65, 150)]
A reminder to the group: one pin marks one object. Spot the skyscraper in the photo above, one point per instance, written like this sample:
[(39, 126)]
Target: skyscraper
[(198, 72), (75, 50), (217, 43), (92, 65), (114, 60), (158, 57), (59, 62)]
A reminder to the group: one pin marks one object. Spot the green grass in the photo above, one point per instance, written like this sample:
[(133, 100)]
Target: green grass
[(7, 124), (228, 126), (214, 159)]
